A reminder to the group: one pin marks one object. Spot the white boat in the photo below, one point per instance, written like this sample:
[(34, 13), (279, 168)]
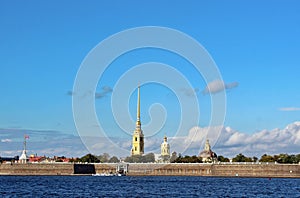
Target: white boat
[(107, 174)]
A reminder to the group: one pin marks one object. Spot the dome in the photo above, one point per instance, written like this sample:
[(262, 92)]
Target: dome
[(207, 154)]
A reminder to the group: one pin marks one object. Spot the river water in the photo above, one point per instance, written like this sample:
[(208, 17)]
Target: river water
[(165, 186)]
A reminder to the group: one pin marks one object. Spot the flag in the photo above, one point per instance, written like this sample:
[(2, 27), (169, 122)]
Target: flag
[(26, 136)]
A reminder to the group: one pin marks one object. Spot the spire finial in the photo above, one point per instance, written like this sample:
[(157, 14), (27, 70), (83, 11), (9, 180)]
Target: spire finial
[(138, 115)]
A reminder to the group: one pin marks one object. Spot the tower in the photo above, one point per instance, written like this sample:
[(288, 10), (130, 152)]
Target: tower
[(165, 150), (23, 159), (207, 146), (138, 136)]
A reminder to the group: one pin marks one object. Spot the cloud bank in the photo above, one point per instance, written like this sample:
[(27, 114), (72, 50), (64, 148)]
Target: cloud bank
[(41, 142), (217, 86), (231, 142), (228, 142)]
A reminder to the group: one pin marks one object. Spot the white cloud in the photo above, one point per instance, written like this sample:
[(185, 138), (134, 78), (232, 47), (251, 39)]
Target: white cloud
[(6, 140), (230, 142), (289, 109), (218, 86)]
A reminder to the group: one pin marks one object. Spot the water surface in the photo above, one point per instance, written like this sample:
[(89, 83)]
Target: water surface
[(165, 186)]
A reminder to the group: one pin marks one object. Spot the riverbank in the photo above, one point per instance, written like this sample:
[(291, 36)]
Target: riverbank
[(140, 169)]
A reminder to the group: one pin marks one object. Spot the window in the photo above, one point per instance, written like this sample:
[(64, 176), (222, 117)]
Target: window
[(135, 148), (135, 138)]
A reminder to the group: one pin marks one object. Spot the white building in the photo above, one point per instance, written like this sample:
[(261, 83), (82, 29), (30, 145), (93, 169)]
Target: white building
[(24, 158), (165, 150)]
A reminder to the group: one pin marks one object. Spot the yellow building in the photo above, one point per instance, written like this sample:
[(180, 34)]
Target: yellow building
[(138, 136)]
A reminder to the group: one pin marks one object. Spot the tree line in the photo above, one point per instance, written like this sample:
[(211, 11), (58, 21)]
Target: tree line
[(89, 158), (174, 158), (280, 158)]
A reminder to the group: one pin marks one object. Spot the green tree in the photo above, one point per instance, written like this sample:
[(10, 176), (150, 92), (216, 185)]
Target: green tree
[(73, 160), (281, 158), (89, 158), (150, 157), (298, 158), (287, 159), (113, 159), (133, 159), (195, 159), (241, 158), (104, 157), (188, 159), (255, 159), (223, 159), (267, 158)]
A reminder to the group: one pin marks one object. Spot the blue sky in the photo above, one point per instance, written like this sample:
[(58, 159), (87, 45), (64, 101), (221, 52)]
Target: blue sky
[(254, 44)]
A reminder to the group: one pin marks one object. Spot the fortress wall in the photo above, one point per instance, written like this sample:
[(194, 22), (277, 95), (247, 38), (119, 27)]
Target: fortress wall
[(105, 168), (140, 169), (169, 169), (220, 170), (36, 169), (257, 170)]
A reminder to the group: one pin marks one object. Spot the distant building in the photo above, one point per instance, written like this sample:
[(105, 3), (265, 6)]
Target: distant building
[(138, 136), (207, 154), (165, 150), (24, 159), (36, 159)]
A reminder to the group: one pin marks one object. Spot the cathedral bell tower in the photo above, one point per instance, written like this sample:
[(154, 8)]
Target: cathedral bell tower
[(165, 148), (138, 136)]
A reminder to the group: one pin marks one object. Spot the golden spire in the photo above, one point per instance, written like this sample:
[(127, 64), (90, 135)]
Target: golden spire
[(138, 114)]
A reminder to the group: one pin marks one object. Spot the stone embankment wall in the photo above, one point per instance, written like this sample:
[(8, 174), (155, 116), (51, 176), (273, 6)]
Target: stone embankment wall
[(257, 170), (220, 170), (105, 168), (139, 169), (170, 169), (36, 169)]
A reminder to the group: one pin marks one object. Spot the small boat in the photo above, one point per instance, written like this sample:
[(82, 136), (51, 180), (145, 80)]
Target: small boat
[(107, 174)]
